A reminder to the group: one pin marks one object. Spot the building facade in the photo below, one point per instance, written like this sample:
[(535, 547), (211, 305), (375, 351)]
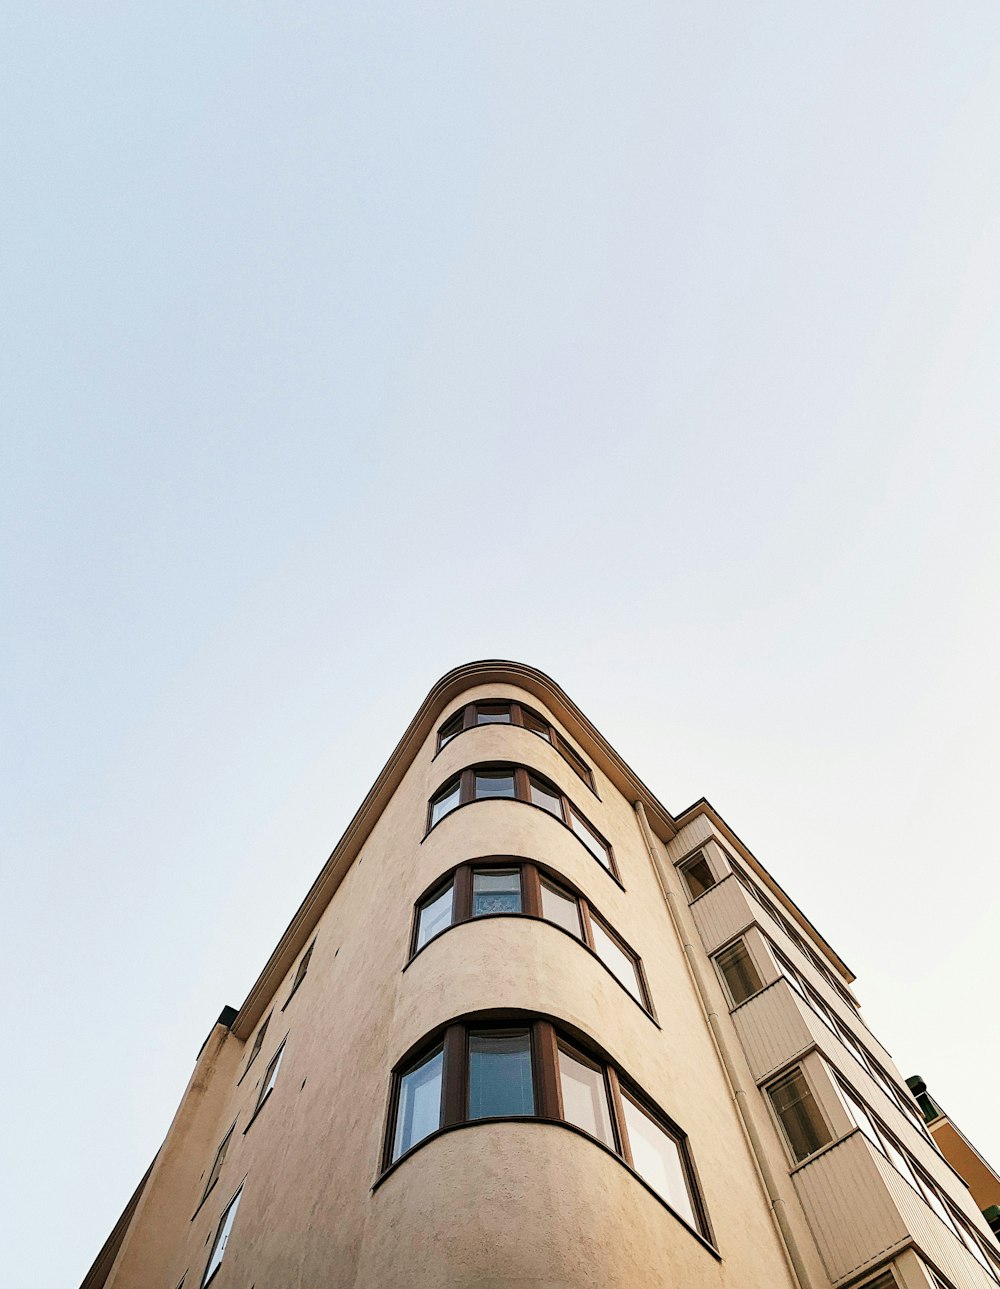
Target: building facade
[(529, 1028)]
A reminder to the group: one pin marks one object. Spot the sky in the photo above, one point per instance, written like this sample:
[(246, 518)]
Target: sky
[(654, 345)]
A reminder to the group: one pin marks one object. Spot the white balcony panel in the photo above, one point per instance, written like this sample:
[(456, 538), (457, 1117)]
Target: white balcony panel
[(931, 1235), (852, 1215), (772, 1029), (722, 912)]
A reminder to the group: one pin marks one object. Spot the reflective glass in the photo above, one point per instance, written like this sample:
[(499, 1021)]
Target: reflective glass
[(560, 907), (739, 971), (494, 783), (614, 957), (450, 728), (589, 838), (419, 1112), (222, 1238), (536, 725), (500, 1074), (271, 1075), (436, 914), (446, 801), (584, 1096), (656, 1157), (496, 891), (493, 714), (544, 796), (861, 1117), (799, 1114)]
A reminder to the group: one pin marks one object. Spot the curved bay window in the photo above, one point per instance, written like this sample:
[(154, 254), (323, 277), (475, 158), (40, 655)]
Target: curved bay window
[(503, 712), (505, 887), (518, 783), (526, 1068)]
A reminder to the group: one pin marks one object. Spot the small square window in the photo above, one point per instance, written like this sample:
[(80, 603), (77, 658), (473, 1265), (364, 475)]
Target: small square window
[(450, 728), (494, 783), (545, 795), (446, 800), (560, 907), (535, 724), (698, 875), (500, 1079), (436, 913)]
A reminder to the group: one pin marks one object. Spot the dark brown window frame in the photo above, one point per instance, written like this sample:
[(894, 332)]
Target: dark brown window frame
[(517, 709), (258, 1043), (531, 875), (300, 973), (465, 778), (546, 1035)]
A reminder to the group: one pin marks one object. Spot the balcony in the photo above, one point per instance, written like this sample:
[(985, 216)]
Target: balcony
[(860, 1210)]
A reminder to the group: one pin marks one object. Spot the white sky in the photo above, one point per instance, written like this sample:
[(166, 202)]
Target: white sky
[(654, 345)]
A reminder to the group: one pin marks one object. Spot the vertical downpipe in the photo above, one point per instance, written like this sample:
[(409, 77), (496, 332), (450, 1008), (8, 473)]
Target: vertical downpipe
[(765, 1172)]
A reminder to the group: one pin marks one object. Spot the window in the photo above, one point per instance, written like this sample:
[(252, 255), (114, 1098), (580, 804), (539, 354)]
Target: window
[(526, 1069), (503, 887), (300, 973), (584, 1093), (618, 960), (500, 1082), (804, 1127), (657, 1158), (739, 971), (560, 907), (434, 914), (493, 783), (419, 1112), (516, 714), (449, 729), (221, 1238), (258, 1041), (698, 875), (270, 1078), (493, 713), (220, 1159), (445, 801), (884, 1281), (517, 783), (496, 890)]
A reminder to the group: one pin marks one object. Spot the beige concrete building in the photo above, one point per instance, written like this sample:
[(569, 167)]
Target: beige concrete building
[(530, 1029)]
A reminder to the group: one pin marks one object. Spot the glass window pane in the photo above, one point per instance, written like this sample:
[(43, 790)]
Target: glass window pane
[(799, 1114), (222, 1238), (698, 876), (544, 796), (656, 1157), (271, 1075), (500, 1073), (589, 838), (560, 907), (446, 800), (419, 1112), (578, 764), (585, 1096), (614, 957), (496, 890), (450, 728), (494, 783), (436, 914), (536, 725), (861, 1117), (220, 1159), (493, 714), (739, 971)]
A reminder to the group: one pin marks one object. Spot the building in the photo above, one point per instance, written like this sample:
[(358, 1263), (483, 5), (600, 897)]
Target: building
[(529, 1028)]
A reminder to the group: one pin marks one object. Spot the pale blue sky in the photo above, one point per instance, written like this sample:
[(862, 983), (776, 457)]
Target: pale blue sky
[(653, 345)]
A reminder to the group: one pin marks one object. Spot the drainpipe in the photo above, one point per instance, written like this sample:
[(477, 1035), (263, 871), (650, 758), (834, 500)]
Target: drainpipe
[(666, 876)]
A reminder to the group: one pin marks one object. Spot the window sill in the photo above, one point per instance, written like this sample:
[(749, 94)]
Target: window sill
[(553, 1123), (490, 917), (607, 868)]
